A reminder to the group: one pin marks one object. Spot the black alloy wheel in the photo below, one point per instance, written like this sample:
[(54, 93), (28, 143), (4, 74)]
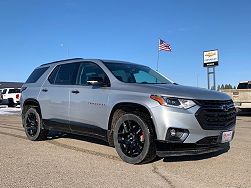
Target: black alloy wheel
[(133, 137), (32, 125)]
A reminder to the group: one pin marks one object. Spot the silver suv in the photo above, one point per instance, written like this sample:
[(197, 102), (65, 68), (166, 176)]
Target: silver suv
[(132, 107)]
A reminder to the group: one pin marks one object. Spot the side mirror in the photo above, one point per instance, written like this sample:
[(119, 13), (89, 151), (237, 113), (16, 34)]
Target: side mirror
[(96, 81)]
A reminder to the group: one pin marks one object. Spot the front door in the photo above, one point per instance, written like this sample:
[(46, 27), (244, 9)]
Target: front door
[(88, 104)]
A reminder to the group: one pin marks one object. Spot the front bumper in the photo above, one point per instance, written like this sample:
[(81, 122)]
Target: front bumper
[(166, 117), (171, 150)]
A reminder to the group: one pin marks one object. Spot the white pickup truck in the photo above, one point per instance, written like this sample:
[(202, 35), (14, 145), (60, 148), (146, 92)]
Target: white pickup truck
[(241, 96), (11, 96)]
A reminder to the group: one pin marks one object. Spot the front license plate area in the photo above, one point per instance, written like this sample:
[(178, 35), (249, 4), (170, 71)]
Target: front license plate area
[(226, 136)]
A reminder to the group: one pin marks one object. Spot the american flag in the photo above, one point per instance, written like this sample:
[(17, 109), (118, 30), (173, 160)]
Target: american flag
[(164, 46)]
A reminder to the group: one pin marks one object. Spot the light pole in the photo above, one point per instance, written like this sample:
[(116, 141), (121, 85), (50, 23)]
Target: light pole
[(67, 50)]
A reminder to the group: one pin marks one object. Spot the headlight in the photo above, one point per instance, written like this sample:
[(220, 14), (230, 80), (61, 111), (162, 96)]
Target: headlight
[(173, 102)]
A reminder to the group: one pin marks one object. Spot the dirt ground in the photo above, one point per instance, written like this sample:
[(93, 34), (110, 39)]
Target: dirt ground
[(69, 161)]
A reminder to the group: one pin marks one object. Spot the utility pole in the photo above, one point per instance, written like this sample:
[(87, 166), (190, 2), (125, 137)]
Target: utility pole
[(67, 50)]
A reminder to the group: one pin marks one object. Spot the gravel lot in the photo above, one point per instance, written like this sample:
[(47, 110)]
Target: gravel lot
[(69, 161)]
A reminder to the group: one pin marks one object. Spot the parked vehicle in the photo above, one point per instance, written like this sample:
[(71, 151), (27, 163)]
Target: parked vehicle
[(1, 97), (134, 108), (11, 96), (241, 96)]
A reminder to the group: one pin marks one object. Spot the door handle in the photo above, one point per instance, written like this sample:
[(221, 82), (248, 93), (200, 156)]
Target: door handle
[(75, 91), (44, 90)]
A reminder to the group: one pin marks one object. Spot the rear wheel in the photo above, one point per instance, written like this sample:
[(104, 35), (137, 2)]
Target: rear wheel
[(133, 138), (11, 103), (32, 125)]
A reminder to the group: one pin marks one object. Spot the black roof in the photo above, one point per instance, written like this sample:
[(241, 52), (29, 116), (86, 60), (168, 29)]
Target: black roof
[(11, 85)]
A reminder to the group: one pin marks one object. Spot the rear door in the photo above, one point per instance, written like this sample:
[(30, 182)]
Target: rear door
[(54, 96)]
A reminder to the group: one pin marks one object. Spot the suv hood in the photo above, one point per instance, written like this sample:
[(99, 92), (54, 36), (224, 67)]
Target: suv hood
[(178, 91)]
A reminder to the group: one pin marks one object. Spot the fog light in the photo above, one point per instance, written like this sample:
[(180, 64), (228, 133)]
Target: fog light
[(176, 135)]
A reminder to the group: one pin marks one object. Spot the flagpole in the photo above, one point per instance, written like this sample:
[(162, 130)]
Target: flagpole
[(162, 46), (158, 58)]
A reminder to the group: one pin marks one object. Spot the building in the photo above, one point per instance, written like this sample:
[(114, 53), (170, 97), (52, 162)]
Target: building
[(10, 85)]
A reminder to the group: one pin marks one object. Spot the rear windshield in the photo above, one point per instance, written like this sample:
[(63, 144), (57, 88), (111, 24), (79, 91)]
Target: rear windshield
[(14, 91), (36, 74), (244, 86)]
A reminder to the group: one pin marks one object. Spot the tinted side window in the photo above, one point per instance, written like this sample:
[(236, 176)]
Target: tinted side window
[(87, 71), (53, 75), (36, 74), (14, 91), (67, 74)]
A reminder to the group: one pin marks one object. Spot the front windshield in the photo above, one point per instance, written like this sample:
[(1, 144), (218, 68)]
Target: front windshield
[(133, 73)]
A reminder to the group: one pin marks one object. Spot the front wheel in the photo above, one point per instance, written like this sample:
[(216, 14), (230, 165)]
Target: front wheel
[(32, 125), (133, 138)]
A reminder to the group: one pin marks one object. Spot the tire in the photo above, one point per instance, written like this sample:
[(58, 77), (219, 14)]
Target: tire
[(11, 102), (133, 138), (32, 125), (238, 110)]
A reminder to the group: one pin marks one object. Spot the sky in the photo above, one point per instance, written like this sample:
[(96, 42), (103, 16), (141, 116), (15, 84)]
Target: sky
[(33, 32)]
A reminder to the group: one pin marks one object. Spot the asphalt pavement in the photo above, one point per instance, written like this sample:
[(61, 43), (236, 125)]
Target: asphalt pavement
[(74, 161)]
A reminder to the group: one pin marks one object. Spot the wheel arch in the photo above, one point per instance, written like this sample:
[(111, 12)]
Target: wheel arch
[(31, 102), (131, 107)]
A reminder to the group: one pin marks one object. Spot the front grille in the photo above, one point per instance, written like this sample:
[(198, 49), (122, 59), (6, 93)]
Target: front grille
[(216, 115)]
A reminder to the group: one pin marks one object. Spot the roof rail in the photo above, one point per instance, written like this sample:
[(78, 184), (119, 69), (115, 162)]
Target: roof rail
[(62, 61)]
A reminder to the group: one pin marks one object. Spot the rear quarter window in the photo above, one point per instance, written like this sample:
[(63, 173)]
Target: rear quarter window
[(36, 74)]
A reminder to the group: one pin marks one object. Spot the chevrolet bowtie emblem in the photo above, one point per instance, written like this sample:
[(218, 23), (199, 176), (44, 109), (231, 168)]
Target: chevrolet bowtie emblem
[(210, 54), (225, 108)]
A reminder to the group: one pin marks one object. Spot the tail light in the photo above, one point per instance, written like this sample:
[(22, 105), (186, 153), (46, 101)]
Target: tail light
[(17, 96)]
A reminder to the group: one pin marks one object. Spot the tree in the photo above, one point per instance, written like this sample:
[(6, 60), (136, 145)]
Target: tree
[(218, 88), (226, 86)]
